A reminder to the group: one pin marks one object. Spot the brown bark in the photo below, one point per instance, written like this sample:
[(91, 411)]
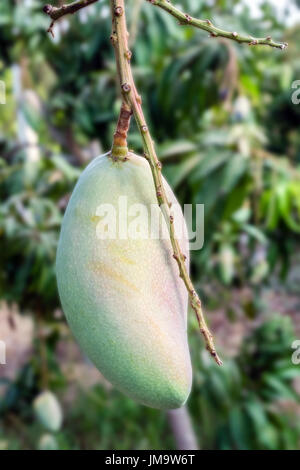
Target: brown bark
[(120, 136)]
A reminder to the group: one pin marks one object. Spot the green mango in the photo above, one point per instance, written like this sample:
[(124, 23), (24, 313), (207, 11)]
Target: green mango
[(122, 296), (48, 442), (48, 411)]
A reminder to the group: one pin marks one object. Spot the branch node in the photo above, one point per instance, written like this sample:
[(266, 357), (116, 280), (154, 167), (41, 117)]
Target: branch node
[(126, 87), (118, 11), (48, 9), (113, 39)]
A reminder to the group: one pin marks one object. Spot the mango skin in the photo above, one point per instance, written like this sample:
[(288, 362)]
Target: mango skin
[(123, 299)]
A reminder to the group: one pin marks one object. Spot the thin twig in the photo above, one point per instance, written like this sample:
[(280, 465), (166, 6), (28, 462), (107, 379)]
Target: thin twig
[(206, 25), (119, 38), (56, 13), (184, 19)]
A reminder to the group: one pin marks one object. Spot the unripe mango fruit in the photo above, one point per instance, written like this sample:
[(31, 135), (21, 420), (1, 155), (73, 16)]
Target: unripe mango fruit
[(48, 411), (48, 442), (123, 297)]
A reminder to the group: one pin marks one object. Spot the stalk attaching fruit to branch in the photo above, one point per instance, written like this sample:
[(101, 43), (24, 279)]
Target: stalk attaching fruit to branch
[(119, 148), (131, 98)]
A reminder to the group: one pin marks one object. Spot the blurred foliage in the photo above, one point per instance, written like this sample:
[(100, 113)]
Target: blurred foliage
[(249, 403), (241, 405), (227, 133), (30, 219)]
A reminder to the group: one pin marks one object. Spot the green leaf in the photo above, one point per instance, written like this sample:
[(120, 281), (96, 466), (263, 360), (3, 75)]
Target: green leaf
[(239, 429)]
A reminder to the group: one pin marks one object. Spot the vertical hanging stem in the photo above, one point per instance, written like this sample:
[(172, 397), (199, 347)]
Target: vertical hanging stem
[(181, 426), (132, 100)]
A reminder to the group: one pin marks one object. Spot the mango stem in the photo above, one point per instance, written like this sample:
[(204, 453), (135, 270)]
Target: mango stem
[(119, 147), (131, 98)]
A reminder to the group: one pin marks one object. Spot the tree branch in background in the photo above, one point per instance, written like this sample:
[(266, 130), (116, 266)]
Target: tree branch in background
[(56, 13), (206, 25), (182, 429)]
